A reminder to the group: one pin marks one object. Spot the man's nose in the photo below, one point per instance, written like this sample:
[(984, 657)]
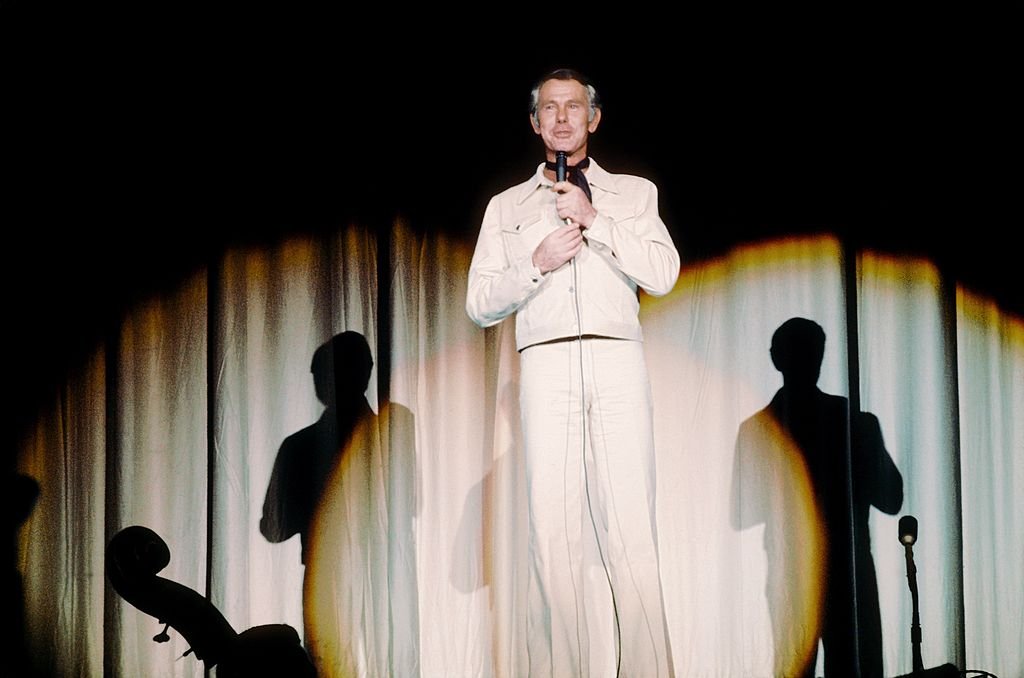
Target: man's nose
[(563, 114)]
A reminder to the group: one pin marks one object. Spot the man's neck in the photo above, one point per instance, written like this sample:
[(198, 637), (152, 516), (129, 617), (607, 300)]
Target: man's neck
[(570, 161)]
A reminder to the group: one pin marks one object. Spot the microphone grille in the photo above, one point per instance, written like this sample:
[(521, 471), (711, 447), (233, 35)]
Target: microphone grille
[(908, 530)]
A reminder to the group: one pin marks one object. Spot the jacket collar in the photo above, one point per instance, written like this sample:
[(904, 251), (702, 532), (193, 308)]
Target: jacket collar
[(596, 176)]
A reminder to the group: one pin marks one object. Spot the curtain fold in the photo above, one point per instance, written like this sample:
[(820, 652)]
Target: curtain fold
[(62, 545), (990, 364), (273, 309), (907, 382), (157, 399)]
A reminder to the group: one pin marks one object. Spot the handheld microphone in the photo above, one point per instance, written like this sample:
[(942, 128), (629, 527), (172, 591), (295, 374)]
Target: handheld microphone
[(560, 165), (561, 170)]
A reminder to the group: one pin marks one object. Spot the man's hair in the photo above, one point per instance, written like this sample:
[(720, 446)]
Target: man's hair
[(593, 101)]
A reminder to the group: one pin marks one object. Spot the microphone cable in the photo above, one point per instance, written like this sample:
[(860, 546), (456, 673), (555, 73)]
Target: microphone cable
[(560, 175)]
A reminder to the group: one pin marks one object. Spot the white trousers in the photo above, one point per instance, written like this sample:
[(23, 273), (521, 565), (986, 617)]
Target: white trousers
[(595, 601)]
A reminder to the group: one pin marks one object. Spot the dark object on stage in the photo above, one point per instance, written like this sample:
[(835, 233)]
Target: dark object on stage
[(908, 536), (136, 554), (944, 671)]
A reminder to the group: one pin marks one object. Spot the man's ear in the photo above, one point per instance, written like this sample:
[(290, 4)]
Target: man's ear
[(592, 126), (533, 124)]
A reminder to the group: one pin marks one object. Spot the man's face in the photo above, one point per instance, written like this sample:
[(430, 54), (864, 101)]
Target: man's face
[(562, 122)]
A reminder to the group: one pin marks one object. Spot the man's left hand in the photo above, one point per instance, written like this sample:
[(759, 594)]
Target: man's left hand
[(572, 204)]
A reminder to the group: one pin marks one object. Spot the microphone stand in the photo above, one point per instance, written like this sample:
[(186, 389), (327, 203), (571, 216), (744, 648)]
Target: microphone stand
[(915, 619)]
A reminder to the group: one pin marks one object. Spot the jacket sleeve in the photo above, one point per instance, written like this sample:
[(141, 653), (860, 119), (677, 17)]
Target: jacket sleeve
[(640, 245), (498, 286)]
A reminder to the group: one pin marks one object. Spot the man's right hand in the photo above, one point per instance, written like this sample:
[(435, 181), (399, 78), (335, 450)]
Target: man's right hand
[(558, 247)]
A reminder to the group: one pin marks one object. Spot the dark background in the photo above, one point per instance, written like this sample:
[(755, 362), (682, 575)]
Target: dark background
[(139, 144)]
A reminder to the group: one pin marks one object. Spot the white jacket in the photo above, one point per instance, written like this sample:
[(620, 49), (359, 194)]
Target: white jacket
[(627, 246)]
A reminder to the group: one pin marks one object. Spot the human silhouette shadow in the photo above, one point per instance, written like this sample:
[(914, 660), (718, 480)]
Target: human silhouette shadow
[(341, 374), (21, 492), (810, 471), (346, 485)]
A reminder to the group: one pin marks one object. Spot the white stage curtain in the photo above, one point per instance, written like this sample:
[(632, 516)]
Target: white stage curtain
[(176, 422), (990, 362)]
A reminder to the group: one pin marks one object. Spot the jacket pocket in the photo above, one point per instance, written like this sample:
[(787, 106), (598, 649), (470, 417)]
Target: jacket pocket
[(522, 236)]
